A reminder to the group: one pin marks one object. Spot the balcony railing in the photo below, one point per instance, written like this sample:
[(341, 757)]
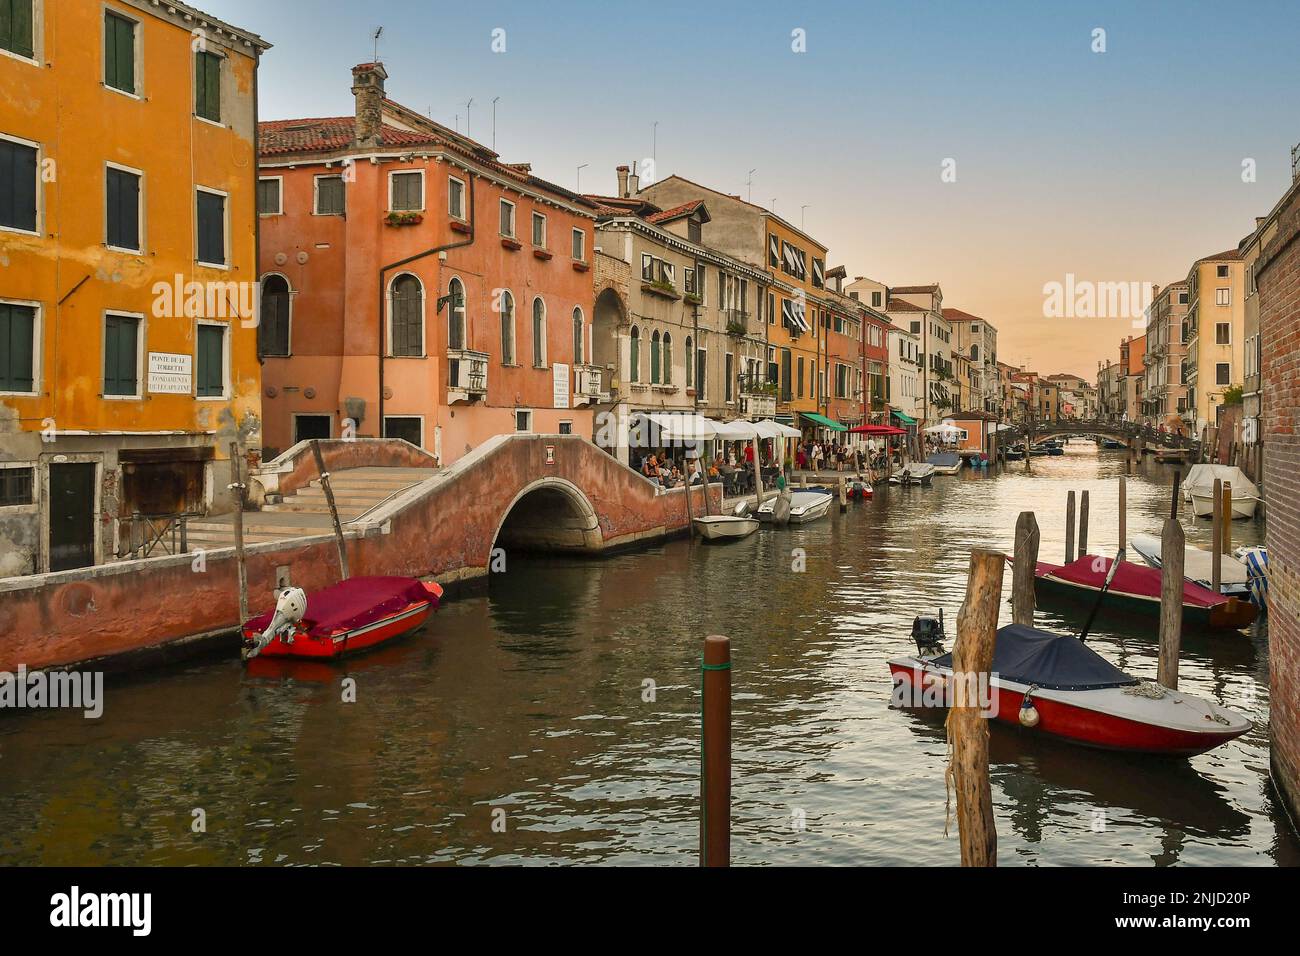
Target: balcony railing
[(737, 321), (467, 375)]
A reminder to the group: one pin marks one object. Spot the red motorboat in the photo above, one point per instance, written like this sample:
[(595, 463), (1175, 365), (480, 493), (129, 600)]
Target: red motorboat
[(1136, 588), (859, 491), (1055, 684), (350, 616)]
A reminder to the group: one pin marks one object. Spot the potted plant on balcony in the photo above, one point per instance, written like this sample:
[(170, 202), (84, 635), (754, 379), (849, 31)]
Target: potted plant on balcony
[(736, 328), (403, 219), (693, 298)]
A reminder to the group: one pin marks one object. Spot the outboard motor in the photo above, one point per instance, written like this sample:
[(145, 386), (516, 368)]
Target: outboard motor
[(289, 610), (927, 632)]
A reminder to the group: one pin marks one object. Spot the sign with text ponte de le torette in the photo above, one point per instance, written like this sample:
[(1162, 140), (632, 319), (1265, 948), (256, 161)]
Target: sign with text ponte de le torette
[(169, 373)]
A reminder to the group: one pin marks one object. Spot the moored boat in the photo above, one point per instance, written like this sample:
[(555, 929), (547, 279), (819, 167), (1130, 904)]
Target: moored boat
[(913, 473), (945, 463), (1136, 589), (725, 527), (353, 615), (1198, 566), (1056, 685), (1198, 488)]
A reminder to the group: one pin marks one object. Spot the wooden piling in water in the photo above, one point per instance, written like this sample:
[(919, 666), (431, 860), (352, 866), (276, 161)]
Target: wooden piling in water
[(968, 731), (715, 753), (1216, 518), (1083, 523), (1173, 500), (1024, 563), (844, 495), (334, 511), (1172, 552), (241, 564), (1226, 511), (1123, 512), (1069, 527)]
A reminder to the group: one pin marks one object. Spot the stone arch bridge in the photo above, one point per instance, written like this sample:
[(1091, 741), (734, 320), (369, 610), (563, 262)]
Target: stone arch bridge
[(515, 492), (1131, 434)]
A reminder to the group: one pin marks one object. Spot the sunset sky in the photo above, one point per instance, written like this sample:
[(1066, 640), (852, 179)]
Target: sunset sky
[(1118, 166)]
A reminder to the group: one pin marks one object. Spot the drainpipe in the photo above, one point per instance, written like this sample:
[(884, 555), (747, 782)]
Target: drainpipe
[(383, 322)]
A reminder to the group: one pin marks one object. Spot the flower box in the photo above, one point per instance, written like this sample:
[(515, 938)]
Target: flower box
[(458, 225), (580, 266), (509, 243), (660, 289), (542, 253), (403, 219)]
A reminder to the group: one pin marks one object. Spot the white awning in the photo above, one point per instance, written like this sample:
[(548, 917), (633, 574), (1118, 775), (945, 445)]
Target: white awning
[(770, 429), (739, 430), (680, 426)]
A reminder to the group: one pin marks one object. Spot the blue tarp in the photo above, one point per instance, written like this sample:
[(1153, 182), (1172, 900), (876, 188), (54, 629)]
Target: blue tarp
[(1052, 661)]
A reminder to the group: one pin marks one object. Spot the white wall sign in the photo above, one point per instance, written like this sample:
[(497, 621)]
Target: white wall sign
[(169, 373), (560, 385)]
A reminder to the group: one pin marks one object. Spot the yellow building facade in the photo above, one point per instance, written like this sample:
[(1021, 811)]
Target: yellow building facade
[(1216, 326), (128, 268)]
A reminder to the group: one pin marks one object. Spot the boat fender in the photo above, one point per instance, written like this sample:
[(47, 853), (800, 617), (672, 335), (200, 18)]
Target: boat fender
[(1028, 712)]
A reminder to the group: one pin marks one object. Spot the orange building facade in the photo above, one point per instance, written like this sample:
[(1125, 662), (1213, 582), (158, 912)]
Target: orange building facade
[(415, 286), (128, 238)]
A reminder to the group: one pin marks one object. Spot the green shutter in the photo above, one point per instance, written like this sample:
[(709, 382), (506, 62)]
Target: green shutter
[(207, 86), (210, 361), (17, 329), (119, 52), (120, 340), (16, 27)]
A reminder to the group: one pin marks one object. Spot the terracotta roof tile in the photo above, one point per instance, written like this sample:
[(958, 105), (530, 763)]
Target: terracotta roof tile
[(901, 305), (676, 212)]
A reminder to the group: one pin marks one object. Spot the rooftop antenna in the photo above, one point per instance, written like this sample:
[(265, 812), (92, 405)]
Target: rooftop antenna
[(803, 215), (654, 142), (749, 184), (494, 123), (379, 31), (578, 185), (467, 106)]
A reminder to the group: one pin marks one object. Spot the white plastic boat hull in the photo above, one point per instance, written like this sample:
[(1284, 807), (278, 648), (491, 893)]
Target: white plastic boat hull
[(805, 506), (1243, 506), (725, 527)]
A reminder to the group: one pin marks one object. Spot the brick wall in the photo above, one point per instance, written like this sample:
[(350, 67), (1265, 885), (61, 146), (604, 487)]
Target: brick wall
[(1278, 278)]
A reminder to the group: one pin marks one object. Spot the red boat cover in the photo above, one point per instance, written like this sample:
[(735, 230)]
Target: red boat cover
[(354, 603), (1129, 579)]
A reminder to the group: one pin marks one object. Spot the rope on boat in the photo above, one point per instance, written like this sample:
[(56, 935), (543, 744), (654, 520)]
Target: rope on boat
[(1146, 688)]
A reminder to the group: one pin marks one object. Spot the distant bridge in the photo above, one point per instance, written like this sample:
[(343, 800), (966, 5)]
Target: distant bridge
[(1130, 433)]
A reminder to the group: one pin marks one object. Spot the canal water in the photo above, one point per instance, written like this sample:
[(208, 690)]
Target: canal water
[(555, 719)]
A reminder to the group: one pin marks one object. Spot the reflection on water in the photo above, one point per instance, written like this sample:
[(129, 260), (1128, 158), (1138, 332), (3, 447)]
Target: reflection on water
[(568, 697)]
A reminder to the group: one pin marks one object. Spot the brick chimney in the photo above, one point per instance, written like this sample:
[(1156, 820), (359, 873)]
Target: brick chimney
[(368, 88), (622, 172)]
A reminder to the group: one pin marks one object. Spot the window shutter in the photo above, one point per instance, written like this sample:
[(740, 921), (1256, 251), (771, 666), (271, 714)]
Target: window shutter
[(17, 325), (123, 192), (17, 186), (212, 239), (119, 53), (120, 355), (16, 26), (211, 340)]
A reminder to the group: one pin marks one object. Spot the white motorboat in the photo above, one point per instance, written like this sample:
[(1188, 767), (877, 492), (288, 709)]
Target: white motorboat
[(945, 463), (1198, 488), (913, 473), (725, 527), (805, 506), (1234, 578)]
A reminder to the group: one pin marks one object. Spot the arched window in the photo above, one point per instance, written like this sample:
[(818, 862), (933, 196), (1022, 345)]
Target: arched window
[(654, 359), (579, 337), (456, 314), (668, 358), (407, 325), (507, 328), (539, 332), (634, 372), (273, 323), (690, 366)]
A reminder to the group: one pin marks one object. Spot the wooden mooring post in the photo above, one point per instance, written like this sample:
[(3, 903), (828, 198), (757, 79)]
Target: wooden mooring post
[(844, 495), (1225, 511), (1216, 558), (1123, 512), (1024, 563), (1083, 523), (334, 511), (1172, 552), (241, 564), (968, 731), (1173, 499), (1069, 527), (715, 753)]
